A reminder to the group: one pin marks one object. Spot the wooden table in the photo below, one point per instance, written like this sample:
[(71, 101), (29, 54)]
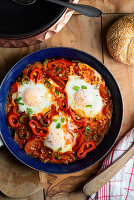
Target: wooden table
[(87, 34)]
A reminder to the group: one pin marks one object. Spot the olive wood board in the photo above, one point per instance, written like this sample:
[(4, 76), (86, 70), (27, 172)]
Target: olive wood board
[(85, 34)]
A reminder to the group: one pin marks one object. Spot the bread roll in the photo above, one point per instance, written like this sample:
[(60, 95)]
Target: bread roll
[(120, 40)]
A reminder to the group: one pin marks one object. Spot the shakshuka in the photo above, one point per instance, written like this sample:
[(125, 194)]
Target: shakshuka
[(59, 110)]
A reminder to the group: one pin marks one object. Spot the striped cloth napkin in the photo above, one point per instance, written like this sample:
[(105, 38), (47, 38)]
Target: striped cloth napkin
[(121, 186)]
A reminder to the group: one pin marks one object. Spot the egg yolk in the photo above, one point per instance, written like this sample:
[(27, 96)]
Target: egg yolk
[(32, 97), (83, 98)]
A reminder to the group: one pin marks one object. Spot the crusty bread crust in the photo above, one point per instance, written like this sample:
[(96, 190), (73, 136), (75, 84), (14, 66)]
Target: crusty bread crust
[(120, 40)]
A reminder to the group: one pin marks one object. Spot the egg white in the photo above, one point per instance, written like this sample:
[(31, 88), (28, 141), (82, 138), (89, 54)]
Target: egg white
[(61, 138), (85, 102), (37, 97)]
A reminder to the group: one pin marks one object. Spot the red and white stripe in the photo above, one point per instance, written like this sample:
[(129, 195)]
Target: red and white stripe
[(121, 186)]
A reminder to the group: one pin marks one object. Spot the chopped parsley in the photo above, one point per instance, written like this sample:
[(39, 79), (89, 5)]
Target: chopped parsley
[(84, 87), (88, 106), (56, 92), (30, 112), (60, 149), (58, 157), (58, 125), (18, 101), (48, 84), (58, 69), (18, 111), (21, 103), (55, 120), (62, 120), (76, 88), (87, 128)]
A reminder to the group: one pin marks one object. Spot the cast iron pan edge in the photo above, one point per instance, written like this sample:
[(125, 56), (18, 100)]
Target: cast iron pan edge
[(9, 5)]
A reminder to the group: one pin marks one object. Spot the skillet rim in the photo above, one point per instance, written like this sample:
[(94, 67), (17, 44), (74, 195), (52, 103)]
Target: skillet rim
[(38, 30), (119, 92)]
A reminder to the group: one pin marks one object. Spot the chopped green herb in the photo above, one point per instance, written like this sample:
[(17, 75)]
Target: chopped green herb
[(84, 87), (19, 99), (58, 125), (56, 92), (58, 69), (87, 128), (60, 75), (60, 149), (94, 130), (76, 88), (30, 112), (18, 111), (21, 103), (89, 106), (62, 120), (48, 84), (55, 120), (58, 157)]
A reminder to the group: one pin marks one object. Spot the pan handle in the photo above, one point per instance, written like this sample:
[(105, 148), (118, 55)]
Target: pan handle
[(1, 142)]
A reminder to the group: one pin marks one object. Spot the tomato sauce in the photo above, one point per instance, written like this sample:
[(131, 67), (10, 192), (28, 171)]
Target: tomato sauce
[(30, 130)]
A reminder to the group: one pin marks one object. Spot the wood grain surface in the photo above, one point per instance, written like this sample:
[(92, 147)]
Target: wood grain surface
[(124, 76), (87, 34), (111, 6), (36, 196), (95, 35), (16, 179)]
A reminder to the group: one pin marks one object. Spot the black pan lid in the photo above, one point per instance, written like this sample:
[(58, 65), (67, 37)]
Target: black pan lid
[(23, 21)]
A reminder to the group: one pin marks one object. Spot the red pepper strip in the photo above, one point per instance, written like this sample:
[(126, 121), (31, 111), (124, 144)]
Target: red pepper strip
[(79, 142), (59, 63), (13, 119), (60, 68), (55, 78), (35, 74), (85, 148), (80, 122), (52, 112), (107, 109), (104, 92), (10, 107), (14, 87), (37, 128), (34, 145), (62, 103), (15, 110)]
